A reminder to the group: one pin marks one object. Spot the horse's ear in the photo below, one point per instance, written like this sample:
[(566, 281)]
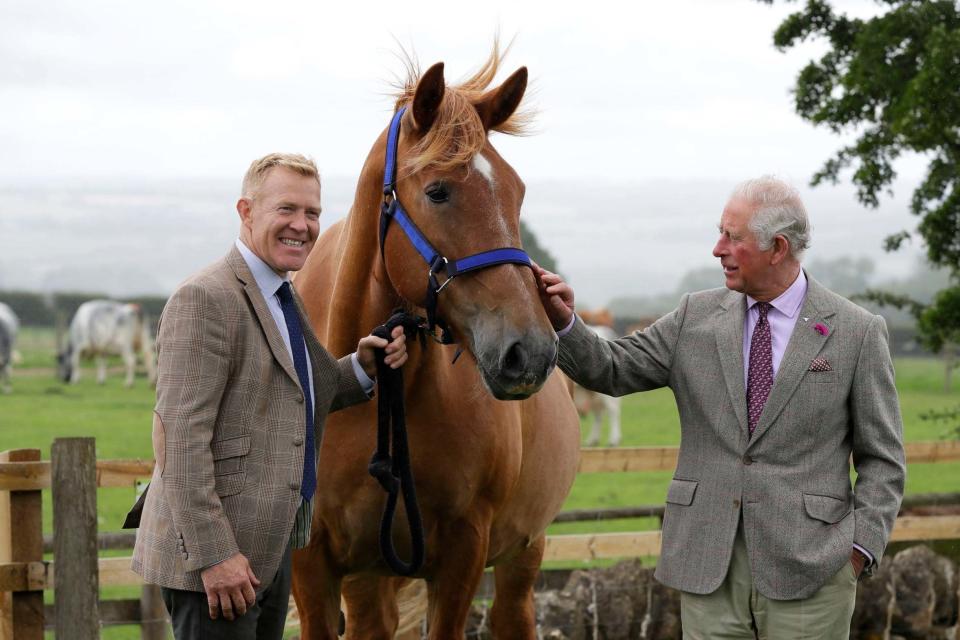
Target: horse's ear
[(427, 99), (498, 105)]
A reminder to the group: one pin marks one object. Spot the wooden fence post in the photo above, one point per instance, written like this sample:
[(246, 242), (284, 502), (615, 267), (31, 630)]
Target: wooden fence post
[(153, 614), (76, 577), (21, 540)]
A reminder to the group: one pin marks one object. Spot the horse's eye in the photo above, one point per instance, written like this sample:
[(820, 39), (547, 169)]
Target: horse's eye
[(437, 192)]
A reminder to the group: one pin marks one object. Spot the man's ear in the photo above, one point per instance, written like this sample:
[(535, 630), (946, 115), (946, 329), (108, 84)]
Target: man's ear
[(243, 209), (781, 249)]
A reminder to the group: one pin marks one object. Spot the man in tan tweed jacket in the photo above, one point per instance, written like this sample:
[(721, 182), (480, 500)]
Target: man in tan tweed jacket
[(778, 382), (225, 504)]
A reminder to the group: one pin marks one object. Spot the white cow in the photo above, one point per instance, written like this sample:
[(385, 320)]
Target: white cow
[(597, 405), (103, 327), (9, 325)]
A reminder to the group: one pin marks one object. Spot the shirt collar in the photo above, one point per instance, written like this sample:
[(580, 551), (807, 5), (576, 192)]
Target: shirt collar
[(267, 279), (789, 302)]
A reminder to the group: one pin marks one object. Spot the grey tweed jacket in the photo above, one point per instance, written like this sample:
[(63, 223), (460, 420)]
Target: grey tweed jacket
[(791, 480), (228, 430)]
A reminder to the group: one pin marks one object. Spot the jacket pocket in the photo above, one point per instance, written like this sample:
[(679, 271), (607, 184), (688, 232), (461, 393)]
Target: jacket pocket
[(825, 508), (681, 491), (228, 457), (821, 377)]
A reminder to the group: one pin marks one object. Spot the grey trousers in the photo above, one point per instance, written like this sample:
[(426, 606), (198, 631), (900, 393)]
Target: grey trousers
[(265, 620), (736, 611)]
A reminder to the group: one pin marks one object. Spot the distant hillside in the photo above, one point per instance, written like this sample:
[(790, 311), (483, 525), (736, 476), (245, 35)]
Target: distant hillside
[(614, 241)]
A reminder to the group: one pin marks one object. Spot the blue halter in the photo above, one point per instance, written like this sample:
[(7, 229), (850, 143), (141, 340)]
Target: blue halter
[(391, 209)]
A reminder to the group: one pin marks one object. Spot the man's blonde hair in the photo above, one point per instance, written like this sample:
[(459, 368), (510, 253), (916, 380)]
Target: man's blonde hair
[(258, 170)]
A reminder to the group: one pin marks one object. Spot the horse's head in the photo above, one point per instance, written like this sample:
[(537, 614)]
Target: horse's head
[(465, 199)]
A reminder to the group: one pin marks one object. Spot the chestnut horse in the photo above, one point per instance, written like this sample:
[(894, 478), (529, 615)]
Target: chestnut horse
[(493, 436)]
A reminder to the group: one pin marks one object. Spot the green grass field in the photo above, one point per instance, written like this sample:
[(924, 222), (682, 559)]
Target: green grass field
[(40, 408)]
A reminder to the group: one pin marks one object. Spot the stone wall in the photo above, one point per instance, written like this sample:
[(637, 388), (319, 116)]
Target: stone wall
[(914, 595)]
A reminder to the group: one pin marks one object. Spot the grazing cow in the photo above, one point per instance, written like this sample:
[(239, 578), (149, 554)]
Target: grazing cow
[(8, 337), (103, 327), (591, 403)]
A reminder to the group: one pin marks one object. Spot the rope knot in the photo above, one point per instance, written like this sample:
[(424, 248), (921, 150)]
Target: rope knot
[(381, 468)]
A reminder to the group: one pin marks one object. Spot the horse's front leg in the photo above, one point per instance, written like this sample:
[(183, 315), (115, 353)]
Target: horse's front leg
[(513, 615), (459, 561), (613, 414), (316, 589), (371, 607), (596, 421)]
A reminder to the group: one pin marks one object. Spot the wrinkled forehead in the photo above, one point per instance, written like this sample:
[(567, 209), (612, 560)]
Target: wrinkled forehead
[(736, 215)]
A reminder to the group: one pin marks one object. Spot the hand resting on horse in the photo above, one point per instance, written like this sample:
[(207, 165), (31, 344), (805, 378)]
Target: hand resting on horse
[(230, 587), (556, 296)]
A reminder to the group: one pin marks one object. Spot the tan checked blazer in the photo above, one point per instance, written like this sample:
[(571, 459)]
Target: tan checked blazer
[(833, 397), (228, 430)]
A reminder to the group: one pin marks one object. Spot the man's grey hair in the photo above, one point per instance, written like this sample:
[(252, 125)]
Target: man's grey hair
[(779, 212)]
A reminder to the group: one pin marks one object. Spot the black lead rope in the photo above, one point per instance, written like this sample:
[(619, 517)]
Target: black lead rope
[(394, 473)]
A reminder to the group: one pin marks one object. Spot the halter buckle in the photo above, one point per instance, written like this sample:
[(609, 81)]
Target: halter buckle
[(445, 283), (439, 264)]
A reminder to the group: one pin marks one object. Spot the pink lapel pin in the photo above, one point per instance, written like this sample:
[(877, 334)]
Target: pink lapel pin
[(821, 329)]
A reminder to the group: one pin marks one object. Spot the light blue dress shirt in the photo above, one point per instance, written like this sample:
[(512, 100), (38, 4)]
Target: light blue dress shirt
[(268, 282)]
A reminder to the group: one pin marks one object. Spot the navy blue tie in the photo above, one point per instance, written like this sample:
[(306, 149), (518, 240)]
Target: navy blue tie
[(297, 346)]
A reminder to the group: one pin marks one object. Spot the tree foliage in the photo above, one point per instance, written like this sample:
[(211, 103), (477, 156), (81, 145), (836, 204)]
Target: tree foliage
[(533, 247), (894, 81)]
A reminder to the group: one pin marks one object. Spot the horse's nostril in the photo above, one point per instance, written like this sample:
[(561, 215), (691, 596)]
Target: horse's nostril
[(515, 360)]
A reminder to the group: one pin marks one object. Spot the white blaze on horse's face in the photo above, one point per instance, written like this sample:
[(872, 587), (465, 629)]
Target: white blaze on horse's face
[(483, 166)]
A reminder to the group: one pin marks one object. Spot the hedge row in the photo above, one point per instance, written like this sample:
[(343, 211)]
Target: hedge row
[(46, 310)]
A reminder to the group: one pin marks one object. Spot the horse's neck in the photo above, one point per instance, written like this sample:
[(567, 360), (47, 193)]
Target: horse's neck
[(360, 290)]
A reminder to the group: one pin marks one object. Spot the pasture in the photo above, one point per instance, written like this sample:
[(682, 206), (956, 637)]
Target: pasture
[(41, 408)]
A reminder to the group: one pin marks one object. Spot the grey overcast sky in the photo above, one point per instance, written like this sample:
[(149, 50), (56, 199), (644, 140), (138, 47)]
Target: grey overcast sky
[(664, 94)]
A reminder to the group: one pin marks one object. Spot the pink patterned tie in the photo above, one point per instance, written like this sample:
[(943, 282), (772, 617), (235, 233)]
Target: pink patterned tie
[(760, 373)]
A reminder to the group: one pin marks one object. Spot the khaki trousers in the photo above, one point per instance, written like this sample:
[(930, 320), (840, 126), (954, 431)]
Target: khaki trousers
[(737, 611)]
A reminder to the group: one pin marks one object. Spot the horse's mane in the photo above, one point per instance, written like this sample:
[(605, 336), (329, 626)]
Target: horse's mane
[(458, 133)]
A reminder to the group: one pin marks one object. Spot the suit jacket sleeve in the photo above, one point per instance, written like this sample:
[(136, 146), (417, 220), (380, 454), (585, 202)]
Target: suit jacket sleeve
[(637, 362), (349, 391), (194, 364), (877, 448)]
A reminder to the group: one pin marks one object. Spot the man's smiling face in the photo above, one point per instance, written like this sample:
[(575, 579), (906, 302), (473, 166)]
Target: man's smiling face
[(281, 221)]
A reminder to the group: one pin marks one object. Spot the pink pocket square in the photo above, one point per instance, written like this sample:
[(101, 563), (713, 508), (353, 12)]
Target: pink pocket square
[(820, 364)]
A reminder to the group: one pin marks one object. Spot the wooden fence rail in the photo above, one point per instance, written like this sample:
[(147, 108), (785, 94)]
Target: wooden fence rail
[(569, 547), (33, 476)]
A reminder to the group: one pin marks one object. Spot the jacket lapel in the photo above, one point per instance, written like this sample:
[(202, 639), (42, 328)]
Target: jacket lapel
[(804, 345), (265, 318), (319, 357), (729, 334)]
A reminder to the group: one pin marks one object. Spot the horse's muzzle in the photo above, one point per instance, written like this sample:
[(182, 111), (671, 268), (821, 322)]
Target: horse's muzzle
[(519, 369)]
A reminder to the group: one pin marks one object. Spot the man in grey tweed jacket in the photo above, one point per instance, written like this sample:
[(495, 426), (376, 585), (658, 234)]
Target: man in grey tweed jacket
[(779, 384), (226, 503)]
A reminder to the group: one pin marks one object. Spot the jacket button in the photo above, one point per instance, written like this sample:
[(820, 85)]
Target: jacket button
[(298, 441), (747, 460), (295, 486), (300, 399), (736, 503)]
